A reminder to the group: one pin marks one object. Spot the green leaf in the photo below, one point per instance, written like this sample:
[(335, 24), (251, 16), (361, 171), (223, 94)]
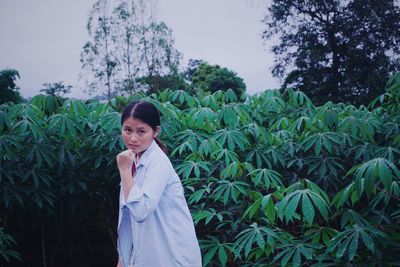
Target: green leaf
[(209, 255), (254, 234), (222, 256), (307, 209), (367, 174), (367, 240), (353, 246), (267, 177), (253, 208), (269, 206)]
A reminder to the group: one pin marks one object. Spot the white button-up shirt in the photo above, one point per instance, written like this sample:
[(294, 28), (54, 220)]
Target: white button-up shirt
[(154, 223)]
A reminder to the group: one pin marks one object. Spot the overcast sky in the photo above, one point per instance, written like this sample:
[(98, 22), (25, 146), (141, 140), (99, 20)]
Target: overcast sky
[(42, 39)]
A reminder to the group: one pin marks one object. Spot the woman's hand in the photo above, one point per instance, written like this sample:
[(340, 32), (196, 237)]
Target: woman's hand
[(125, 159)]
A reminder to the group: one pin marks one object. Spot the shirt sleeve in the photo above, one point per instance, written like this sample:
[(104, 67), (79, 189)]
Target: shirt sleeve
[(124, 241), (142, 201)]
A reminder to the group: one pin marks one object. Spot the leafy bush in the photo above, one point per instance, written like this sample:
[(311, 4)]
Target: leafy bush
[(6, 244), (270, 180)]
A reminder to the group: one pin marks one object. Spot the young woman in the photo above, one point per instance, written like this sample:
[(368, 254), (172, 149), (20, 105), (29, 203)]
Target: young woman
[(155, 228)]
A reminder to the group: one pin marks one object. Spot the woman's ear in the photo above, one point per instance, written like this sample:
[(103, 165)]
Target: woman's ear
[(156, 132)]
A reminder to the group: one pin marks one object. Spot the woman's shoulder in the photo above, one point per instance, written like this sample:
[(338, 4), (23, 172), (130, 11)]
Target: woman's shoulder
[(158, 155)]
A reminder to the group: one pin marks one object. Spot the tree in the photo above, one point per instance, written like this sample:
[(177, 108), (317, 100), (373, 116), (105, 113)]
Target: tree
[(211, 78), (128, 16), (98, 59), (56, 89), (159, 56), (335, 50), (8, 88), (128, 46)]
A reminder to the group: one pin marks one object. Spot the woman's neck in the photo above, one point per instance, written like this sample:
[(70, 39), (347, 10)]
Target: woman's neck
[(138, 155)]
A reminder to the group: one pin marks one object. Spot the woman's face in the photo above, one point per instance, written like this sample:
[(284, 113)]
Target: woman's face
[(137, 135)]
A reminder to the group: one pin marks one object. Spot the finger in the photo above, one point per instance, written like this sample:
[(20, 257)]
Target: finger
[(127, 152), (130, 153)]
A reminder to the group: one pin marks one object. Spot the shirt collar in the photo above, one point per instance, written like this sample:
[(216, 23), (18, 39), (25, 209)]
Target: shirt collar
[(146, 154)]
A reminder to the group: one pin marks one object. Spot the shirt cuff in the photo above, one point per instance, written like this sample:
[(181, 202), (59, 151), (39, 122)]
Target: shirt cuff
[(135, 195)]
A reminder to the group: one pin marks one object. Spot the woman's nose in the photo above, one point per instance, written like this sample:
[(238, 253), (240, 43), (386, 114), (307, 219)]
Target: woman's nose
[(133, 138)]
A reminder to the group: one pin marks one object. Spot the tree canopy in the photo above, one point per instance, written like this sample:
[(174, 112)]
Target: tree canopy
[(343, 51), (8, 88), (56, 89), (211, 78)]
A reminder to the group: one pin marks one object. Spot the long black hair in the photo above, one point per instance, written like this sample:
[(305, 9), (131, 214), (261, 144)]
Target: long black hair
[(145, 112)]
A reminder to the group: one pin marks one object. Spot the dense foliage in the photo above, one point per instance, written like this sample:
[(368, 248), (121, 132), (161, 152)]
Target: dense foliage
[(335, 50), (271, 179)]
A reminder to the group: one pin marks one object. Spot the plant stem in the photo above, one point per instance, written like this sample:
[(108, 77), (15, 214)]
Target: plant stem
[(43, 247)]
